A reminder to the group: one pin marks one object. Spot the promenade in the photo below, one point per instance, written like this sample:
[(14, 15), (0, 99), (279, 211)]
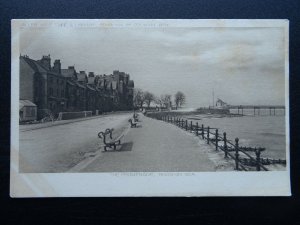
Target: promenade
[(155, 147)]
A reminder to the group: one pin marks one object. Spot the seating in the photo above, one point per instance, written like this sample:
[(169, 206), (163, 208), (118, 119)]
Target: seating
[(132, 123), (136, 117), (108, 140)]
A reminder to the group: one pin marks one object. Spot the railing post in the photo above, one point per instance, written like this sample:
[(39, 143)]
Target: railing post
[(202, 131), (225, 145), (217, 136), (257, 153), (197, 127), (186, 125), (237, 154), (208, 135)]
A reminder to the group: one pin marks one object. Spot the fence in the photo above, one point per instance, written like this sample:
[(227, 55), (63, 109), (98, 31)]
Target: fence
[(241, 155)]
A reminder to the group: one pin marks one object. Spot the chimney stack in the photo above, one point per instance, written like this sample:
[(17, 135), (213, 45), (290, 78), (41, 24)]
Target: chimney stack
[(46, 61), (57, 66)]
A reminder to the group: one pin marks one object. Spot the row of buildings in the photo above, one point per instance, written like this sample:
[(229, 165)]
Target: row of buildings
[(53, 89)]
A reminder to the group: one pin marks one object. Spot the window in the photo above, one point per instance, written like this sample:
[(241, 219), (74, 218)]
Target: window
[(62, 93), (57, 81), (51, 91), (57, 92), (51, 80)]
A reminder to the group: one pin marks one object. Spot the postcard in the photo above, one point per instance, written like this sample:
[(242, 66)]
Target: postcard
[(134, 107)]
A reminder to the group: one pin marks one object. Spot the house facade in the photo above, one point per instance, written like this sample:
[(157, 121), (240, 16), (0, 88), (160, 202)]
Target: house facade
[(42, 84), (53, 89)]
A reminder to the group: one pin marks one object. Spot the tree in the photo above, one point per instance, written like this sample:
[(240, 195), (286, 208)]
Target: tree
[(166, 100), (138, 97), (149, 97), (158, 101), (179, 99)]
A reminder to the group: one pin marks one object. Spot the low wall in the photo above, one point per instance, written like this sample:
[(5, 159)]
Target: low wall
[(159, 115), (73, 115), (212, 111)]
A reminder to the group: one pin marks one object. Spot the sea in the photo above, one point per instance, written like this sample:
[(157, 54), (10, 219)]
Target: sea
[(253, 131)]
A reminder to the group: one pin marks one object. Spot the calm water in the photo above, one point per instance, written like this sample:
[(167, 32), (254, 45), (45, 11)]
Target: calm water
[(255, 131)]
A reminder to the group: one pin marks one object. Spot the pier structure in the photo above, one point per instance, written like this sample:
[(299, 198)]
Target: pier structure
[(257, 108)]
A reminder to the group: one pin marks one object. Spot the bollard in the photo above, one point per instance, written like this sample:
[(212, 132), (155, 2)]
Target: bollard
[(197, 127), (225, 145), (171, 119), (208, 135), (191, 126), (186, 125), (217, 136), (237, 154), (257, 153), (202, 131)]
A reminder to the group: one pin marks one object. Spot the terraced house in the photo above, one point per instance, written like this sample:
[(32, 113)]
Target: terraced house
[(53, 89)]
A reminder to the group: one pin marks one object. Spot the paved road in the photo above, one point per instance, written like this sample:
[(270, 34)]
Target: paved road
[(154, 147), (59, 148)]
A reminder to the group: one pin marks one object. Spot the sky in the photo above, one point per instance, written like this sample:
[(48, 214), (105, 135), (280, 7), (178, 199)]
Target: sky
[(240, 65)]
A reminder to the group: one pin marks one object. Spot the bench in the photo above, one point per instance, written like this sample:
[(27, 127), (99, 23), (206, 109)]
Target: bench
[(136, 117), (110, 142), (132, 123)]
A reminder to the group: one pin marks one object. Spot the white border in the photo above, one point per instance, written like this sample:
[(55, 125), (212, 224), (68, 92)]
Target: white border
[(142, 184)]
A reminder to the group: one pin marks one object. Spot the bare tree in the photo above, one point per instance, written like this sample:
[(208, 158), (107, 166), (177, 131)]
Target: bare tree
[(138, 97), (179, 99), (149, 97), (158, 101), (166, 100)]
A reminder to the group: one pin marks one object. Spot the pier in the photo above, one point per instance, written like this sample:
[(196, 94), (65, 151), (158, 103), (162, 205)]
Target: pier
[(257, 109)]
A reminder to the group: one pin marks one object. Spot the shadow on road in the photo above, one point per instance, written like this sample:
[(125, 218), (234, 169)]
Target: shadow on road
[(127, 146)]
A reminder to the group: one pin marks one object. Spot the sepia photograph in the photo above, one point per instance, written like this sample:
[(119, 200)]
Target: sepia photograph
[(150, 103)]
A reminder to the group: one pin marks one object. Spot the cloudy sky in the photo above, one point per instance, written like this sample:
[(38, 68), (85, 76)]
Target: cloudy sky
[(241, 65)]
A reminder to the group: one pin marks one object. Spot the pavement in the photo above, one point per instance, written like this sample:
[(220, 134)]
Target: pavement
[(155, 146)]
